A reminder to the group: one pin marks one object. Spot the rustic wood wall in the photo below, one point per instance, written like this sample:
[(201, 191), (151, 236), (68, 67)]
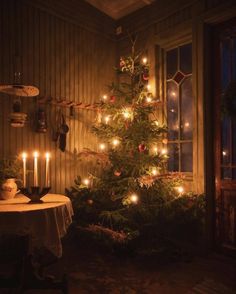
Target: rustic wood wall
[(67, 50)]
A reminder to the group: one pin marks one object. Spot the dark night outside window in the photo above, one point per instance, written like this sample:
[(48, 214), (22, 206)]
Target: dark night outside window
[(179, 108)]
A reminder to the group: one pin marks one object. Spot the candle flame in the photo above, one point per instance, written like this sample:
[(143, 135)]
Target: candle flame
[(24, 155), (47, 155)]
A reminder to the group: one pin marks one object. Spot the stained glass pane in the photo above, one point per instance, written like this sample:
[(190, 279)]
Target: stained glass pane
[(186, 107), (171, 63), (178, 77), (225, 63), (172, 110), (225, 141), (186, 157), (173, 161), (186, 58)]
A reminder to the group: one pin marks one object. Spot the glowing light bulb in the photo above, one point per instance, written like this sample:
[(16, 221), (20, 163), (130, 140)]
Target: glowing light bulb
[(224, 153), (187, 124), (154, 171), (148, 87), (126, 113), (149, 99), (164, 151), (86, 182), (134, 198), (107, 118), (102, 146), (144, 60), (115, 142), (157, 123), (155, 149), (104, 97), (173, 93), (172, 110), (47, 155), (180, 189)]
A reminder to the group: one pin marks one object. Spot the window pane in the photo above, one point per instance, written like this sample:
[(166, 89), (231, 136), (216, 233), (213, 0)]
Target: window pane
[(234, 173), (186, 107), (225, 63), (171, 63), (225, 141), (173, 161), (226, 173), (172, 110), (234, 60), (186, 58), (186, 157), (234, 141)]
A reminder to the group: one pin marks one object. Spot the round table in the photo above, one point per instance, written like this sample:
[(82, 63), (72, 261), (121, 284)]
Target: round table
[(46, 222)]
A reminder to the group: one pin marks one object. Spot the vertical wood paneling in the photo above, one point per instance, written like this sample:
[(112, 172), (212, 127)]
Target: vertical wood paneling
[(64, 60)]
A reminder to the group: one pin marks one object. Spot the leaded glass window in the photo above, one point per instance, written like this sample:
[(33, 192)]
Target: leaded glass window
[(179, 100)]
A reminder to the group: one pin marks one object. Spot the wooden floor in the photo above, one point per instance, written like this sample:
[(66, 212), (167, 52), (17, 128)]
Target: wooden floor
[(90, 271)]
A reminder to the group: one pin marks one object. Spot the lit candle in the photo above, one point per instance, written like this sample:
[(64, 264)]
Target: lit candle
[(24, 156), (47, 177), (36, 155)]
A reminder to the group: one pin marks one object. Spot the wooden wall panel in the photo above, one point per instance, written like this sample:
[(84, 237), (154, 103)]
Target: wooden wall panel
[(64, 59)]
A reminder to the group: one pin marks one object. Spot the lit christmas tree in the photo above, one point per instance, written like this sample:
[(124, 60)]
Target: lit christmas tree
[(134, 189)]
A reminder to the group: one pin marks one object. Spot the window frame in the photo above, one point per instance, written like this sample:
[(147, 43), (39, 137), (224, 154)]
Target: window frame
[(179, 141)]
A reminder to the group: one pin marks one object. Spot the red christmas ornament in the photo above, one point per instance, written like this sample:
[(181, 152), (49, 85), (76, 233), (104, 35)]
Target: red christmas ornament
[(117, 173), (112, 99), (145, 77), (90, 201), (122, 63), (141, 147)]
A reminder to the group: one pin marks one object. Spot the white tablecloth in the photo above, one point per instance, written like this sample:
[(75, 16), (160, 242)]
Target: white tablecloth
[(45, 222)]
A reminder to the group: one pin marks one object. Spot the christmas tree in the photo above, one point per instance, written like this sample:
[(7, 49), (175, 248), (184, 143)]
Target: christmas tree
[(134, 190)]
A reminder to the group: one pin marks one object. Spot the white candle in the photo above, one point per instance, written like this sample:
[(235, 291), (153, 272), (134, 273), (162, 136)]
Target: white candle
[(24, 156), (36, 155), (47, 177)]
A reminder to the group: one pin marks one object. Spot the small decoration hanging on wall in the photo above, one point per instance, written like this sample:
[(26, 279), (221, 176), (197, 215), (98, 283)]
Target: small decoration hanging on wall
[(17, 118), (60, 131), (63, 130), (41, 121)]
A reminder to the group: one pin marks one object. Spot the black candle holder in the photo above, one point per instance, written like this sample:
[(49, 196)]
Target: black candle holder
[(35, 194)]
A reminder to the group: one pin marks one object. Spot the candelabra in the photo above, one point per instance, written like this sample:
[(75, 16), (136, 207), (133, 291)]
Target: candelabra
[(35, 193)]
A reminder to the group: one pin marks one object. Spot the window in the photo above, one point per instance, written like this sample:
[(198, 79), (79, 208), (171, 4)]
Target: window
[(179, 100)]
